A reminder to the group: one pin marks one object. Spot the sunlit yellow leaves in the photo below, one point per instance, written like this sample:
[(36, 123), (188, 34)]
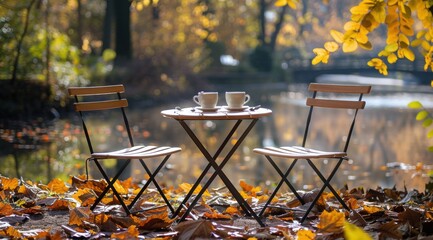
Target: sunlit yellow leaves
[(372, 209), (350, 45), (9, 183), (57, 186), (322, 55), (5, 209), (352, 232), (78, 215), (337, 36), (359, 10), (249, 189), (331, 221), (186, 187), (331, 46), (379, 65), (391, 47), (408, 54), (292, 3), (305, 234), (11, 233)]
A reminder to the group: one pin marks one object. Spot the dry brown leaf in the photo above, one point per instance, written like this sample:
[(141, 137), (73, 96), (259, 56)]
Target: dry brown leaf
[(353, 203), (130, 233), (216, 215), (78, 215), (390, 229), (305, 234), (57, 186), (11, 232), (96, 185), (85, 196), (60, 205), (156, 222), (232, 210), (410, 216), (192, 229), (5, 209), (9, 183), (331, 221), (372, 209)]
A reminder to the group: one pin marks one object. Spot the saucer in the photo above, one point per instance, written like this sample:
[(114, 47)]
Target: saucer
[(236, 108), (208, 109)]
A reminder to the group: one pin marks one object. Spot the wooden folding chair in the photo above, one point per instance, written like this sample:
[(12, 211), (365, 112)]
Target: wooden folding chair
[(109, 97), (308, 154)]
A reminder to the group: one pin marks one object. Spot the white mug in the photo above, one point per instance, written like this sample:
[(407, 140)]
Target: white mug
[(236, 99), (206, 100)]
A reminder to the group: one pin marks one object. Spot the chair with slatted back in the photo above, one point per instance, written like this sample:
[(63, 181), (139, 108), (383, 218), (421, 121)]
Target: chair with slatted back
[(109, 98), (295, 153)]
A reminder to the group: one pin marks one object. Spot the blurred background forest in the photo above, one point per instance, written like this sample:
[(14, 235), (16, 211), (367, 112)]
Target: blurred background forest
[(160, 47), (164, 51)]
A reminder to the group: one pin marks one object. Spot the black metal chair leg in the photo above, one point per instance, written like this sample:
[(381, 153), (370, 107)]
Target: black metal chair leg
[(150, 180), (111, 185), (280, 183)]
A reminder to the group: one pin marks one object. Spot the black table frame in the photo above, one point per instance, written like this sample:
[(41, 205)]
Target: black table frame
[(218, 169)]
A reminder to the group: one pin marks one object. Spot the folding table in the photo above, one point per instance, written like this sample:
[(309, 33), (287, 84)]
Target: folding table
[(222, 114)]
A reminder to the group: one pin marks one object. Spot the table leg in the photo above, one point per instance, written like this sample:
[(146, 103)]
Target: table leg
[(208, 166), (218, 171)]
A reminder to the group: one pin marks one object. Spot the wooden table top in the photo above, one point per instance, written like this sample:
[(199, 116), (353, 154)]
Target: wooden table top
[(220, 113)]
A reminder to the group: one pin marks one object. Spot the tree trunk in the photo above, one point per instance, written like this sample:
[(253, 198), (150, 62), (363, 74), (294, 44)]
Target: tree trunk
[(48, 43), (262, 21), (277, 30), (108, 25), (123, 31), (79, 40), (20, 42)]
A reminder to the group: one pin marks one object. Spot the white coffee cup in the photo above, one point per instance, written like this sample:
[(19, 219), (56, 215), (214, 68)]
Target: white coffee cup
[(236, 99), (206, 100)]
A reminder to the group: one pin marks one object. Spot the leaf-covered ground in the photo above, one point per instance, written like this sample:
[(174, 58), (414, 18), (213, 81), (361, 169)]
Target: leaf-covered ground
[(60, 210)]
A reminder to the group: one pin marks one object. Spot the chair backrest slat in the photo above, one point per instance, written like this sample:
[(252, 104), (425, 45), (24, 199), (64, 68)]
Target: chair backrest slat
[(98, 90), (331, 100), (327, 103), (100, 105), (96, 98), (339, 88)]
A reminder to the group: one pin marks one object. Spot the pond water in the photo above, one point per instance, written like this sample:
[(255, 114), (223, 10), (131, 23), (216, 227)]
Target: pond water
[(388, 146)]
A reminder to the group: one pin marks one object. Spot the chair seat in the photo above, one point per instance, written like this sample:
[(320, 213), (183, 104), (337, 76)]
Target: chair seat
[(137, 152), (298, 152)]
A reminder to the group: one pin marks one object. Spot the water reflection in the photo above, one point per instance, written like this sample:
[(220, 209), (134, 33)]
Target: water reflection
[(386, 132)]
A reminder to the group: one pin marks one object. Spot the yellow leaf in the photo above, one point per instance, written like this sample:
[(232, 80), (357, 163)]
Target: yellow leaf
[(322, 55), (360, 9), (351, 25), (9, 183), (337, 36), (58, 186), (366, 46), (331, 221), (391, 47), (408, 54), (361, 38), (186, 187), (403, 38), (331, 46), (305, 234), (119, 188), (352, 232), (392, 58), (350, 45), (416, 42), (372, 209)]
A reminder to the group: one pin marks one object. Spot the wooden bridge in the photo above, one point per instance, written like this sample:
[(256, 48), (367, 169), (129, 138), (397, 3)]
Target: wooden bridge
[(303, 71)]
